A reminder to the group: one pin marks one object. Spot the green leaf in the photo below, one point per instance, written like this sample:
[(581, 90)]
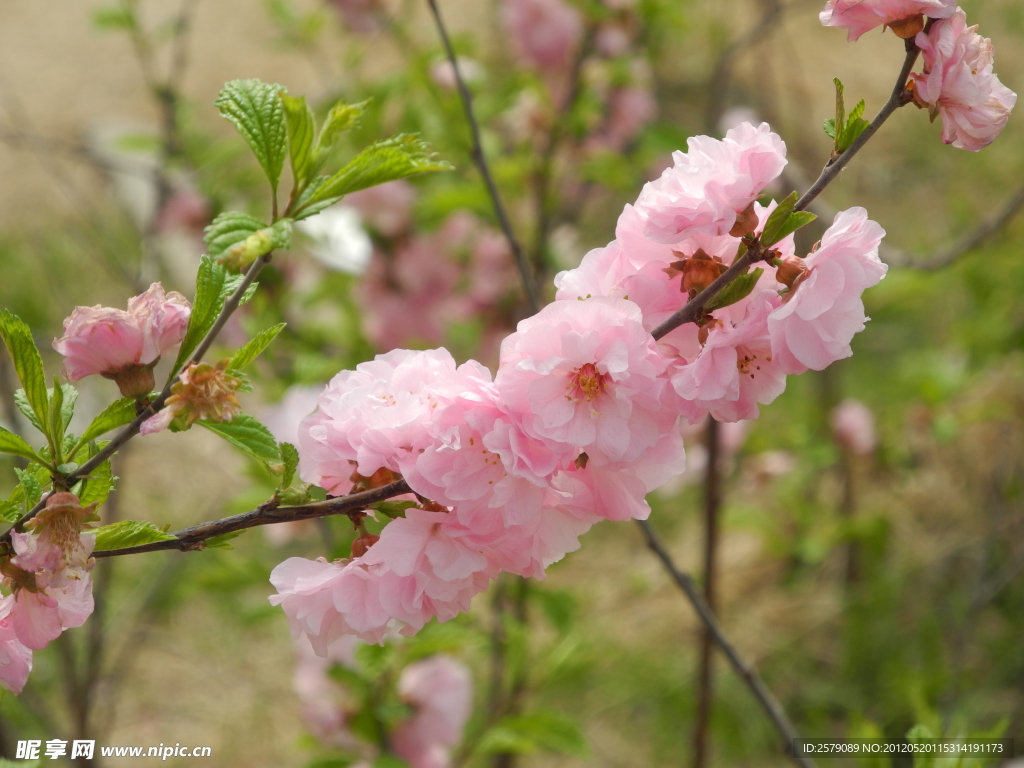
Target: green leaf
[(221, 541), (128, 533), (62, 408), (526, 733), (117, 414), (840, 120), (793, 222), (776, 221), (31, 486), (341, 118), (392, 509), (246, 433), (255, 347), (394, 158), (25, 407), (300, 493), (11, 443), (98, 485), (213, 286), (855, 126), (229, 228), (27, 363), (735, 291), (257, 112), (290, 457), (301, 132), (830, 128)]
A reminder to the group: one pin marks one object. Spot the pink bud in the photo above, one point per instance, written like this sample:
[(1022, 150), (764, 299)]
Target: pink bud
[(853, 424)]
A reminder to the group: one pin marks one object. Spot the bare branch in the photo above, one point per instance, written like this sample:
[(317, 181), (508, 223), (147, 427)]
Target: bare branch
[(190, 539), (749, 676), (480, 159)]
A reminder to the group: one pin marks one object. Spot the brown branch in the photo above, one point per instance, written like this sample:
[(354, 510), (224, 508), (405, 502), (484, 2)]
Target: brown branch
[(746, 673), (480, 160), (135, 426), (190, 539)]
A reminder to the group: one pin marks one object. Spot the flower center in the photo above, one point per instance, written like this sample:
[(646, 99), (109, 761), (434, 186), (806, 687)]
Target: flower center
[(585, 383)]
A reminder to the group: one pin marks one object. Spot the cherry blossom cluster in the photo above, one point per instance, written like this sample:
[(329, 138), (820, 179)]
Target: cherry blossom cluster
[(582, 420), (46, 583), (958, 83)]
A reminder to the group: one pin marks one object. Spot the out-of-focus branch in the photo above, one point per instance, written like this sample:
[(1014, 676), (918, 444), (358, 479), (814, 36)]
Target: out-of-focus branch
[(480, 160), (135, 426), (190, 539), (718, 86), (749, 676)]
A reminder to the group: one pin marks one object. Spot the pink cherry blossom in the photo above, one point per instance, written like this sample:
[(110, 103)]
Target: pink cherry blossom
[(860, 16), (370, 416), (440, 691), (958, 84), (823, 312), (853, 425), (586, 376), (104, 340), (711, 183), (735, 370), (325, 703), (15, 656)]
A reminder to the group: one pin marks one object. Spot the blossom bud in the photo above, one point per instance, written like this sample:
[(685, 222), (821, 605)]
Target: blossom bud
[(135, 381), (361, 545), (791, 271)]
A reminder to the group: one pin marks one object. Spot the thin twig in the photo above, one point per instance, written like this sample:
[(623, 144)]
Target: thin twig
[(897, 99), (480, 160), (749, 676), (133, 428), (190, 539)]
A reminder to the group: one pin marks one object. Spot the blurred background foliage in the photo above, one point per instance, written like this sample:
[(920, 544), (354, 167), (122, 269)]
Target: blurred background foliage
[(114, 160)]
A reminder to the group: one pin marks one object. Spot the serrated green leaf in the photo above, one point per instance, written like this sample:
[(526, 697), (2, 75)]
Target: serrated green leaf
[(301, 133), (255, 109), (793, 222), (776, 220), (27, 363), (290, 458), (856, 113), (248, 434), (392, 509), (30, 485), (300, 493), (213, 286), (229, 228), (341, 118), (255, 347), (98, 485), (11, 511), (62, 408), (117, 414), (394, 158), (11, 443), (830, 128), (221, 541), (735, 291), (128, 533), (243, 253), (21, 401)]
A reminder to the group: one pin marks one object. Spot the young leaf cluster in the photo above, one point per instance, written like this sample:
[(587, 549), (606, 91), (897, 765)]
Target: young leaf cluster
[(844, 129)]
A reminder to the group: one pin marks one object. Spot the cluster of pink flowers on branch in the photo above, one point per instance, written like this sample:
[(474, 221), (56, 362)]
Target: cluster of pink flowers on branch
[(582, 420), (47, 584), (124, 346), (958, 82)]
